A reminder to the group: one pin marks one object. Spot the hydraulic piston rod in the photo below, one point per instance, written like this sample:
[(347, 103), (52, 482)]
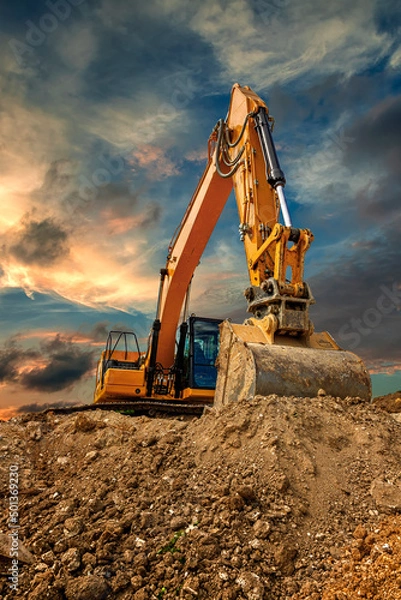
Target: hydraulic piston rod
[(283, 206), (274, 174)]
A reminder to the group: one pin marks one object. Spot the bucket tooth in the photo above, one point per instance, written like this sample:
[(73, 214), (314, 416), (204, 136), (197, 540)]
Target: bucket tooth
[(248, 366)]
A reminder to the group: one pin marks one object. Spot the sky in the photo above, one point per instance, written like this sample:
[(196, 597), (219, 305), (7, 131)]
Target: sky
[(106, 107)]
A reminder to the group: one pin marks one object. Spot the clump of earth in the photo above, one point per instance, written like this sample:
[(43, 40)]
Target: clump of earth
[(271, 497)]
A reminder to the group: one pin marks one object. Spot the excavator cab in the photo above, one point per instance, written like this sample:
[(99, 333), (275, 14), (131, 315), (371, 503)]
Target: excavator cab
[(192, 377), (201, 349)]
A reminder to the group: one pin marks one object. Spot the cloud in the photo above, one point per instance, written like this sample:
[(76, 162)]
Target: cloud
[(65, 365), (58, 180), (147, 118), (345, 175), (90, 165), (376, 136), (57, 365), (84, 250), (11, 359), (40, 243), (155, 160), (395, 61), (77, 45), (199, 155), (359, 295), (100, 331), (375, 150), (38, 134), (253, 41), (95, 275), (388, 18), (121, 209)]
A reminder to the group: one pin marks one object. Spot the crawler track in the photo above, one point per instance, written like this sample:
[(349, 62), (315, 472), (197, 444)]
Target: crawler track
[(135, 407)]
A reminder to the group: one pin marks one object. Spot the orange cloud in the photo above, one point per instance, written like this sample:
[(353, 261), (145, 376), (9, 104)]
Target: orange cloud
[(200, 155), (381, 367), (76, 337), (22, 158), (153, 157), (94, 274)]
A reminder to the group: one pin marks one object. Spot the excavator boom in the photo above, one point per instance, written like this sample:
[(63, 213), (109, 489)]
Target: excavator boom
[(185, 252)]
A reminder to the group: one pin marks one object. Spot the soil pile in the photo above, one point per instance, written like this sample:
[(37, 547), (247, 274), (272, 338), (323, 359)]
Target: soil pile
[(284, 498)]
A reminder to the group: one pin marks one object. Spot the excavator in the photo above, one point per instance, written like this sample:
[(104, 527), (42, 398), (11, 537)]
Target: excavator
[(192, 361)]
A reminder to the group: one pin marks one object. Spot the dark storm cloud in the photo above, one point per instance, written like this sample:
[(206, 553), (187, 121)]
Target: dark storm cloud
[(379, 198), (93, 195), (359, 296), (119, 196), (100, 331), (387, 17), (308, 111), (11, 359), (138, 42), (376, 148), (62, 363), (377, 136), (115, 200), (66, 364), (40, 243)]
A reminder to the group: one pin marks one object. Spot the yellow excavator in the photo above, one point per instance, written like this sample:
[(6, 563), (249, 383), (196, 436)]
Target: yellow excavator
[(191, 362)]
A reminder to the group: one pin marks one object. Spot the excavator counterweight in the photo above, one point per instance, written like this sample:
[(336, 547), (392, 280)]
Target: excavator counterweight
[(276, 350)]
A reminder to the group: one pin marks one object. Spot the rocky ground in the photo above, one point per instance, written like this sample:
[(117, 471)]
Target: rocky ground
[(271, 498)]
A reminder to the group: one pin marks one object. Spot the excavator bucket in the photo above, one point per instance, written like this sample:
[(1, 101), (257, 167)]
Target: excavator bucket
[(247, 366)]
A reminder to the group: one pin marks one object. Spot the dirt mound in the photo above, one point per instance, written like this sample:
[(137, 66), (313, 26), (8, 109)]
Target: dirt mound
[(285, 498), (391, 402)]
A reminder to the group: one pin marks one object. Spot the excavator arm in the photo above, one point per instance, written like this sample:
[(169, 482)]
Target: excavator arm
[(275, 252), (241, 154)]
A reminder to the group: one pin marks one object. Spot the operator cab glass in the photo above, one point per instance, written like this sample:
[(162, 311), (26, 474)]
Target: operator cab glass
[(202, 349)]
